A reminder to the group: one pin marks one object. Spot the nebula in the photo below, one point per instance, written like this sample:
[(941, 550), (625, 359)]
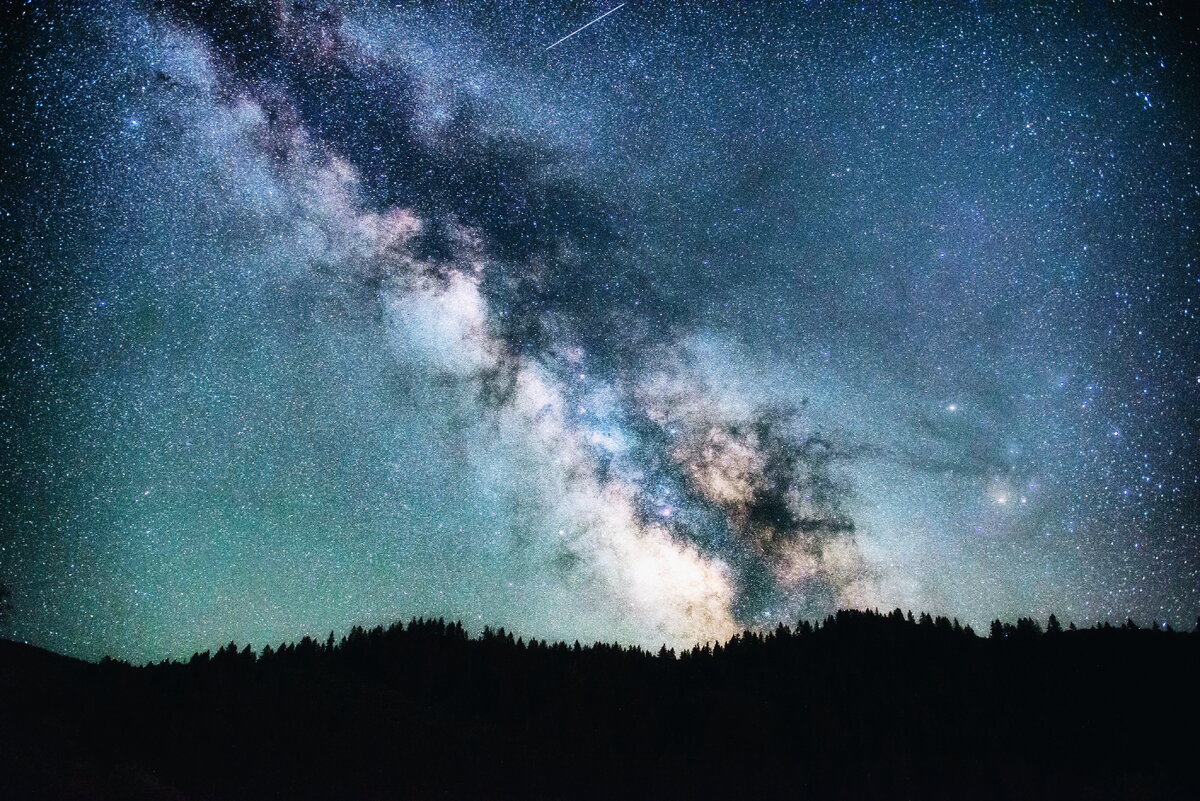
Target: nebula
[(331, 313), (641, 514)]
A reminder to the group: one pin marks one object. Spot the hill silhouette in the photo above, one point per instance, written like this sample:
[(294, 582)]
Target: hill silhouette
[(861, 705)]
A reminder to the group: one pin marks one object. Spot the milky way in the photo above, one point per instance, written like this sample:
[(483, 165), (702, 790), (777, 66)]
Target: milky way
[(707, 318)]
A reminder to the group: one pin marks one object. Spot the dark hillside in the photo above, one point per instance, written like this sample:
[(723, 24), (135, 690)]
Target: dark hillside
[(863, 706)]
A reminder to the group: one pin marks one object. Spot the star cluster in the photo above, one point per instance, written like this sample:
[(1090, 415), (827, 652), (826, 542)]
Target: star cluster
[(711, 316)]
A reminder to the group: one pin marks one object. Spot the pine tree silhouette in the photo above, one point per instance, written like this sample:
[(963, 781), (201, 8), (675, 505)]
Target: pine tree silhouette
[(851, 707)]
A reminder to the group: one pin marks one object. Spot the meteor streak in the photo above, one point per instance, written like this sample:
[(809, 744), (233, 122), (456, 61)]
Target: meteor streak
[(577, 30)]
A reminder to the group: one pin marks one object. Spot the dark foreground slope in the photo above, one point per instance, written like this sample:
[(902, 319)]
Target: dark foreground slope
[(864, 706)]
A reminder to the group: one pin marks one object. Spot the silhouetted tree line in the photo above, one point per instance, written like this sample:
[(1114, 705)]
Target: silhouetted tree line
[(860, 705)]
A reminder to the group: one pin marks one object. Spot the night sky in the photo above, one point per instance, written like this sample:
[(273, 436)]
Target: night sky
[(710, 316)]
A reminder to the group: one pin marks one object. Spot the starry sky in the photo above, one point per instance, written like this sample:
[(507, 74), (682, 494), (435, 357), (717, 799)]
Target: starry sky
[(710, 316)]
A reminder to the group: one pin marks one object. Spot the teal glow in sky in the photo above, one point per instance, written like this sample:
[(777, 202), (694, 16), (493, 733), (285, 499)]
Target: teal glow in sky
[(708, 317)]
